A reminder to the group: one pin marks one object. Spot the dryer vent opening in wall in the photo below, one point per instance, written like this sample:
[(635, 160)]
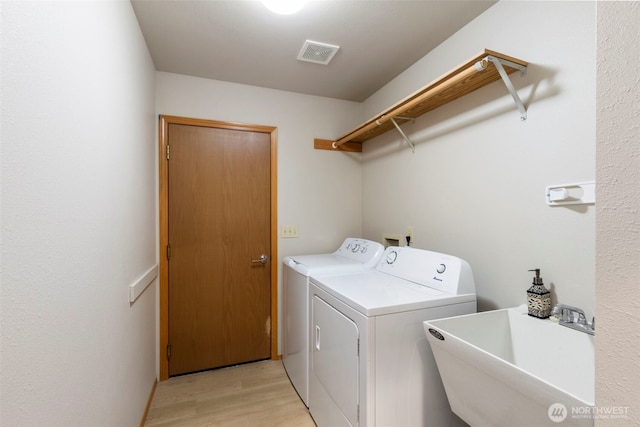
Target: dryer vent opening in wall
[(391, 239), (319, 53)]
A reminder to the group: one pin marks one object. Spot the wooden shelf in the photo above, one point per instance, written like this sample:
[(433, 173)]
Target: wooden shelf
[(465, 79)]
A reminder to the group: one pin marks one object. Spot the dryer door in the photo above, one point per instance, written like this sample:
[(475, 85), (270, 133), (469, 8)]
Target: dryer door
[(333, 393)]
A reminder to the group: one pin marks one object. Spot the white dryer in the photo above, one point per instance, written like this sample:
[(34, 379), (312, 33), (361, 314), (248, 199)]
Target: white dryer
[(353, 255), (370, 362)]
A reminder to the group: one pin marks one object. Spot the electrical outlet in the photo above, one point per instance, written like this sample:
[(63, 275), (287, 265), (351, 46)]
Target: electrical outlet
[(410, 234), (289, 231)]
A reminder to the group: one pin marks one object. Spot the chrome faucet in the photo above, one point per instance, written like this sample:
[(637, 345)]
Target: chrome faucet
[(567, 315)]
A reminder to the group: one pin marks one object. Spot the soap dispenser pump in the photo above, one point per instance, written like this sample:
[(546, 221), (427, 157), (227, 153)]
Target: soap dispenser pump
[(538, 298)]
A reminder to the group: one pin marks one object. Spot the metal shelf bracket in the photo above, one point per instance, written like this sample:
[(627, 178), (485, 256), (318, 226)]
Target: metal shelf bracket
[(404, 136), (498, 62)]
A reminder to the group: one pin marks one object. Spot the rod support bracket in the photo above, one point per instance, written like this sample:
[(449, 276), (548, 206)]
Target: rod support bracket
[(499, 62), (404, 136)]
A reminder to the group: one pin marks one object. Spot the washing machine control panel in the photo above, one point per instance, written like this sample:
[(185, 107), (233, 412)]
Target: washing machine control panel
[(361, 250), (357, 247)]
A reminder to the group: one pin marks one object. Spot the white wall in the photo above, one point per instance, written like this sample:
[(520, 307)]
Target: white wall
[(78, 214), (475, 185), (318, 190), (77, 92), (618, 211)]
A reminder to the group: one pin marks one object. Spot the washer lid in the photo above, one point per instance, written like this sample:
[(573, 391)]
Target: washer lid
[(373, 293), (322, 263)]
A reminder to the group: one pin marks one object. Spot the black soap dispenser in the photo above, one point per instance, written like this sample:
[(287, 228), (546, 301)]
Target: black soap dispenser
[(538, 298)]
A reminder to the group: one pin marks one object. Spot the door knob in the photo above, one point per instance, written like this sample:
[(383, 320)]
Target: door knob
[(262, 260)]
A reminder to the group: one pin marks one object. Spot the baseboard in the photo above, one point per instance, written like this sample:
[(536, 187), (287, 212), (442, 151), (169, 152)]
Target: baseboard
[(146, 409)]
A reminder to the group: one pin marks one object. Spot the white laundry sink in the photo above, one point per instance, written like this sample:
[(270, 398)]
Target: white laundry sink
[(505, 368)]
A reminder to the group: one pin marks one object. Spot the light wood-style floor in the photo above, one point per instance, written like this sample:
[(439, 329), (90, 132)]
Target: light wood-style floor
[(257, 394)]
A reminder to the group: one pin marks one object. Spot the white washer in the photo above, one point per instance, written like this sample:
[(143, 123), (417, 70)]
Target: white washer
[(370, 362), (353, 255)]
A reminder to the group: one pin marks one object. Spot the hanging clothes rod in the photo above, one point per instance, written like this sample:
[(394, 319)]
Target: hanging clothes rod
[(459, 82)]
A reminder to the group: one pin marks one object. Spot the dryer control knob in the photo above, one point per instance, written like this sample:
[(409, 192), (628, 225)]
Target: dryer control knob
[(441, 268)]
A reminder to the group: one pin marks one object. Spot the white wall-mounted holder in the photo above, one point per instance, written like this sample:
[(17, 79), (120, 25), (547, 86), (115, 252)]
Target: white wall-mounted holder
[(578, 193), (138, 287)]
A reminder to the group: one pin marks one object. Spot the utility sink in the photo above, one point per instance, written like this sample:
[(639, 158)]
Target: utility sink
[(505, 368)]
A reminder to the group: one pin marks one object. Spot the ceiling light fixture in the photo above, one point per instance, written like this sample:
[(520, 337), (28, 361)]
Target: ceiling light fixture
[(284, 7)]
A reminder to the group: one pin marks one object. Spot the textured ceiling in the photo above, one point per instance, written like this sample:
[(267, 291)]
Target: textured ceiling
[(242, 42)]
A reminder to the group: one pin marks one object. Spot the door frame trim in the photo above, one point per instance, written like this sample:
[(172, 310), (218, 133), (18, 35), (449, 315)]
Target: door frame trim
[(163, 187)]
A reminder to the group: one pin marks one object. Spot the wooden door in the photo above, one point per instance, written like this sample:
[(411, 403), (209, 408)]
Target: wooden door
[(218, 247)]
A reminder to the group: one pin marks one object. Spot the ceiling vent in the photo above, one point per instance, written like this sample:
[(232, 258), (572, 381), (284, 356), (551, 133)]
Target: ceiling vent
[(319, 53)]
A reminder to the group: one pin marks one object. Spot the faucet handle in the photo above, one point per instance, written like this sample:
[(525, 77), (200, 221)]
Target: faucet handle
[(582, 320), (561, 311), (567, 314)]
